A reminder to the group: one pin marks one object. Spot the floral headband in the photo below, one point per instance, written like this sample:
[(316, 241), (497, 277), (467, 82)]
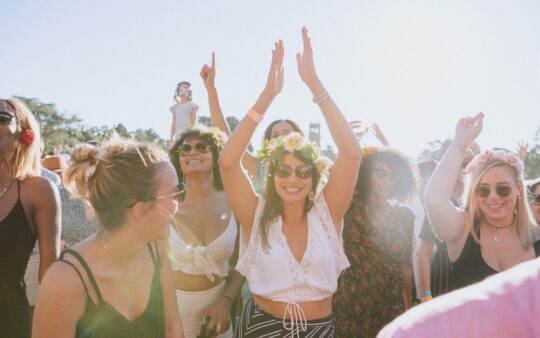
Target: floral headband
[(274, 149), (501, 155), (218, 137)]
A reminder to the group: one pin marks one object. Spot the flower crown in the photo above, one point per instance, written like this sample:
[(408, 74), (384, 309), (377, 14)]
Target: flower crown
[(501, 155), (294, 143), (218, 137)]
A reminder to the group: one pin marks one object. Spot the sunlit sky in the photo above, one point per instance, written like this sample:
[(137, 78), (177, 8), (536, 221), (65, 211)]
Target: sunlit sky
[(414, 67)]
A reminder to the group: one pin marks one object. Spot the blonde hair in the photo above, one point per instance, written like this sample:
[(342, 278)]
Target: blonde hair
[(113, 176), (25, 160), (525, 228)]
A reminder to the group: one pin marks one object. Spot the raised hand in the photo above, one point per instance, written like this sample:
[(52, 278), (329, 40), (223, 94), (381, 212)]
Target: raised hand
[(274, 83), (208, 73), (306, 68), (358, 129), (522, 150), (468, 128), (379, 134)]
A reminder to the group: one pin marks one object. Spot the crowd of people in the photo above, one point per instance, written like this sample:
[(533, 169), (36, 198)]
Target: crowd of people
[(210, 240)]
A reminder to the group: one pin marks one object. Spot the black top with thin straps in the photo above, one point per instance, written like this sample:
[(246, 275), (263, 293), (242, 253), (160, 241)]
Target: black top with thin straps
[(104, 321), (470, 267), (16, 243)]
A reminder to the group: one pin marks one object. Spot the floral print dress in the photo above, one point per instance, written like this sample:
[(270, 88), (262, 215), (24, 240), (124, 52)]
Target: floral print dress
[(369, 293)]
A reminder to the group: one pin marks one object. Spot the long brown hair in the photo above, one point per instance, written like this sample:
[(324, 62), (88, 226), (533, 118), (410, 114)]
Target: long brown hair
[(273, 206)]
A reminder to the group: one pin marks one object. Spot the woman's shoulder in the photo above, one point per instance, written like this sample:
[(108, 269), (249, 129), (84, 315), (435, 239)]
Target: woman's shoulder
[(38, 189)]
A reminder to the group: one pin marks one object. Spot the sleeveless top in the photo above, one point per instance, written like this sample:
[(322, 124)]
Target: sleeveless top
[(209, 260), (470, 267), (102, 320), (16, 243), (275, 274)]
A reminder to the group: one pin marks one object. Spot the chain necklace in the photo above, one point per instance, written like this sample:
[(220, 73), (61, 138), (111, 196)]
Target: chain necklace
[(5, 190), (494, 229)]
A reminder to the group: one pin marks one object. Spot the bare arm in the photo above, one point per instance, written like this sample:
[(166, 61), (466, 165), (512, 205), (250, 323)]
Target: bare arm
[(173, 127), (194, 115), (339, 190), (379, 134), (240, 194), (173, 325), (47, 218), (407, 277), (449, 222), (61, 294), (422, 266), (208, 74)]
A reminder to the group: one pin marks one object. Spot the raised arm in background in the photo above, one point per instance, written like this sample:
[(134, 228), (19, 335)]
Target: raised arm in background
[(449, 222)]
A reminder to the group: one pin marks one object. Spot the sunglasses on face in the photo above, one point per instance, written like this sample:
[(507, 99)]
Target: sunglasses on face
[(535, 198), (180, 189), (302, 172), (5, 118), (199, 147), (379, 173), (501, 190)]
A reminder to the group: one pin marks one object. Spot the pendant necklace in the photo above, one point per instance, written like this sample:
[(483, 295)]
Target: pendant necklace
[(496, 229), (5, 190)]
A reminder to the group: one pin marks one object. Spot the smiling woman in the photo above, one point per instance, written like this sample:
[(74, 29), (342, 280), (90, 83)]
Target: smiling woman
[(495, 229)]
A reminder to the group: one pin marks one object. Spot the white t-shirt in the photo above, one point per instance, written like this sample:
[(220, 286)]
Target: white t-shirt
[(182, 114)]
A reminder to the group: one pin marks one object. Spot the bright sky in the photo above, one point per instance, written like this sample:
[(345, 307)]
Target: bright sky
[(414, 67)]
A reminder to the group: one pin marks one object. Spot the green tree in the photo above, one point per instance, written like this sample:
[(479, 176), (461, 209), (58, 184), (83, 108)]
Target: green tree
[(532, 161)]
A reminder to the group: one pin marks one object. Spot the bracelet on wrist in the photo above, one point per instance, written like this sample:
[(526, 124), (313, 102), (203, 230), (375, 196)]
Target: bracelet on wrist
[(425, 294), (425, 299), (461, 147), (321, 97), (254, 116)]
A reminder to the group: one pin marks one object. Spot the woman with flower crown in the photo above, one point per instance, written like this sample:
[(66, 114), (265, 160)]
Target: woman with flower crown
[(495, 230), (29, 211), (291, 249)]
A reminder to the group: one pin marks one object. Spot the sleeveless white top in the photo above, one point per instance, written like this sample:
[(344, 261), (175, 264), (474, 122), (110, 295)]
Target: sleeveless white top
[(275, 273), (210, 260)]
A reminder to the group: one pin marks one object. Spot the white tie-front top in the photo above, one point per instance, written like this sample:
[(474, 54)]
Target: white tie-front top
[(274, 273), (211, 260)]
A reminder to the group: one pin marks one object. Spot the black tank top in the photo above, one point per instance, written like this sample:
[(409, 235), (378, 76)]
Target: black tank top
[(470, 267), (16, 243), (101, 320)]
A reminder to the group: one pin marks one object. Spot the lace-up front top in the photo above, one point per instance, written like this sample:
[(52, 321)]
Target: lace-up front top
[(277, 275), (210, 260)]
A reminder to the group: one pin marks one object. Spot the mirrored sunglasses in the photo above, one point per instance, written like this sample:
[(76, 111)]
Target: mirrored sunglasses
[(5, 118), (302, 172), (535, 198), (200, 147)]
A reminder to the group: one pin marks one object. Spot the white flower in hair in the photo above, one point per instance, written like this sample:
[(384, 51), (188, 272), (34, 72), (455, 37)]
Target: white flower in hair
[(323, 164), (292, 142)]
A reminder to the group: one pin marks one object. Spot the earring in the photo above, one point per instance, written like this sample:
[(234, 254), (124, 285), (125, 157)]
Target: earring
[(311, 196)]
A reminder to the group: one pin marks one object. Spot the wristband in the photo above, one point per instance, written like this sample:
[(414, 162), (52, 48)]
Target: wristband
[(425, 299), (425, 294), (253, 115), (322, 96)]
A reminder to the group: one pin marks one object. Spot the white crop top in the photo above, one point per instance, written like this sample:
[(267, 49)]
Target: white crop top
[(275, 273), (209, 260)]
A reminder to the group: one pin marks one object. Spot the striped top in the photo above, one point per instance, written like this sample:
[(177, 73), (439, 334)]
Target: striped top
[(182, 114)]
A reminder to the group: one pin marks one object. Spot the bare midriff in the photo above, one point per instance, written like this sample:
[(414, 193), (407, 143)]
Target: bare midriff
[(312, 310), (188, 282)]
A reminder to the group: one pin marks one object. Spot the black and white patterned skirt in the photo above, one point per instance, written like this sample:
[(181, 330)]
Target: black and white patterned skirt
[(256, 323)]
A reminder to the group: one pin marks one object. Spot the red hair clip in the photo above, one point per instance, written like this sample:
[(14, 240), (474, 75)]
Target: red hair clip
[(27, 136)]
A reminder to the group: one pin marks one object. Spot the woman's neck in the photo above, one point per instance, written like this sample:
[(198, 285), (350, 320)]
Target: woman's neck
[(199, 185), (293, 213), (122, 246)]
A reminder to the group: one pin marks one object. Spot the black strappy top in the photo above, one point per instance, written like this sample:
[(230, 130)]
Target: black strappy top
[(102, 320), (470, 267)]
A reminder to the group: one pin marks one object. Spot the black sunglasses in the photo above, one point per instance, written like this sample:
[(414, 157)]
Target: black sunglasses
[(199, 147), (535, 198), (501, 190), (5, 118), (302, 172), (180, 189)]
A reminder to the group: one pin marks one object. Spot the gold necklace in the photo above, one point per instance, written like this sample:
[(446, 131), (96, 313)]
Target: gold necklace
[(103, 241), (5, 190)]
